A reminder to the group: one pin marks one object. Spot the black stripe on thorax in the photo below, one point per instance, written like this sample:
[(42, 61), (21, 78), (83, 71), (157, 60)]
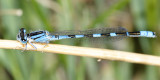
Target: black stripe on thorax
[(36, 38), (36, 33)]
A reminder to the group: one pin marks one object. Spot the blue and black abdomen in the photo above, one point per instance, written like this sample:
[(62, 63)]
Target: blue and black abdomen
[(109, 33)]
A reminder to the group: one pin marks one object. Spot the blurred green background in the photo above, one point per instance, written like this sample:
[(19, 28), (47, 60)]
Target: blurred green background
[(58, 15)]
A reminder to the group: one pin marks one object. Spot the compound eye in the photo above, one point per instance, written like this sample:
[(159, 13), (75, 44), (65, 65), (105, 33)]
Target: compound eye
[(22, 34), (22, 30)]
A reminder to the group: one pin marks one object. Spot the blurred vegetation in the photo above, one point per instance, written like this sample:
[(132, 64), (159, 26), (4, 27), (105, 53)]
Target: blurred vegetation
[(57, 15)]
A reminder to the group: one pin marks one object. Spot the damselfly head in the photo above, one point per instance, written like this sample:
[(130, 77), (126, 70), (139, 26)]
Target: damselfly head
[(22, 36)]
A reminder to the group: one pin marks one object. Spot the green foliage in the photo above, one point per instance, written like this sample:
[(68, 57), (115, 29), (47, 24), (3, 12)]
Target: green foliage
[(54, 15)]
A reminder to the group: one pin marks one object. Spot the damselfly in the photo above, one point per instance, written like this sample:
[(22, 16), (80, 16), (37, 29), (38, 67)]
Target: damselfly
[(44, 36)]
